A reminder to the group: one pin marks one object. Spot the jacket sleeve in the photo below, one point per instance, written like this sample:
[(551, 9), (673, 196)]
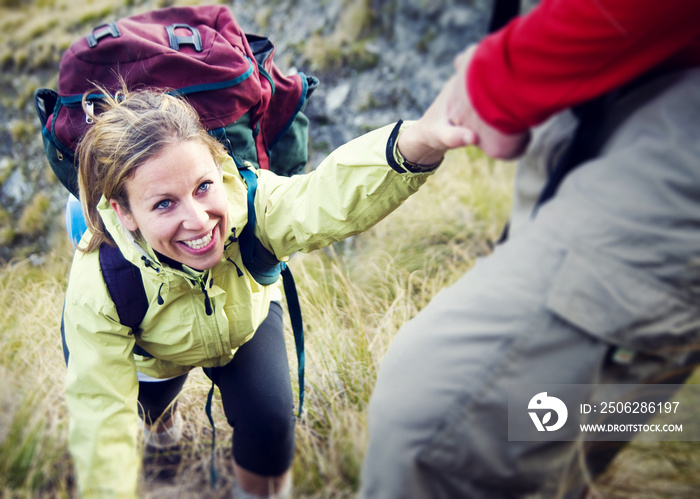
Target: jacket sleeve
[(101, 390), (565, 52), (350, 191)]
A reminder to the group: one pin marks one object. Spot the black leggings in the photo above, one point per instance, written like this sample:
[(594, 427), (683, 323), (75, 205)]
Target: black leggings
[(256, 392)]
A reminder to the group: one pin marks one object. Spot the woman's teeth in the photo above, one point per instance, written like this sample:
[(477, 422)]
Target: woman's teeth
[(199, 243)]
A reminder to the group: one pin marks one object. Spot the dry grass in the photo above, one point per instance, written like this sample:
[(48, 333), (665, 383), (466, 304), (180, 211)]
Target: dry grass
[(354, 298), (33, 419)]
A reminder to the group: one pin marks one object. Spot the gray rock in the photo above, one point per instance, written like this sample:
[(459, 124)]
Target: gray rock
[(16, 187)]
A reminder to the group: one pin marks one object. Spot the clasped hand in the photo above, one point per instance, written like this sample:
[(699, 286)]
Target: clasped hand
[(451, 121)]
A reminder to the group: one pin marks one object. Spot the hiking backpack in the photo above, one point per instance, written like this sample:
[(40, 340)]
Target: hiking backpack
[(230, 79)]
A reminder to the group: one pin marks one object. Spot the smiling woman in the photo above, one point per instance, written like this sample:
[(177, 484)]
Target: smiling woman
[(154, 184)]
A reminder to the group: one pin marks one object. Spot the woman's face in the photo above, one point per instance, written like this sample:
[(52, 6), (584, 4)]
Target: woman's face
[(178, 203)]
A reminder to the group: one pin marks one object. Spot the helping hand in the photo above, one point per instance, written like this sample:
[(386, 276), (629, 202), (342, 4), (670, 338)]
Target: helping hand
[(461, 113)]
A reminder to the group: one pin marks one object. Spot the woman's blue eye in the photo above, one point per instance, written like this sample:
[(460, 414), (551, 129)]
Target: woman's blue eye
[(204, 186), (163, 205)]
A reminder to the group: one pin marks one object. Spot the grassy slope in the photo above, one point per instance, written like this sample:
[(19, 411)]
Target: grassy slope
[(354, 298)]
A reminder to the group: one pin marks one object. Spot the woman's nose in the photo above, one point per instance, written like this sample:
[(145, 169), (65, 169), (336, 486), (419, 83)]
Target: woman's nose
[(196, 216)]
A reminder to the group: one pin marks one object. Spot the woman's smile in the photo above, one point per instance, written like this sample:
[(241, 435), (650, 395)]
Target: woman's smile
[(201, 243)]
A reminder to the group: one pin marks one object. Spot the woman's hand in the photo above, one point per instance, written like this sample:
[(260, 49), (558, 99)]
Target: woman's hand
[(426, 141)]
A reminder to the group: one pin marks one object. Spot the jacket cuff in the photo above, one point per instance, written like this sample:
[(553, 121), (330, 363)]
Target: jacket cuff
[(397, 162)]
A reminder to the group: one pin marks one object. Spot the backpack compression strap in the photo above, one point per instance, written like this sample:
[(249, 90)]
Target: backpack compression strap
[(266, 268)]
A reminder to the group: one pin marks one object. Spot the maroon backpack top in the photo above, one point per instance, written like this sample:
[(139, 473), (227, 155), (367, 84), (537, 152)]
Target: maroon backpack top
[(199, 52)]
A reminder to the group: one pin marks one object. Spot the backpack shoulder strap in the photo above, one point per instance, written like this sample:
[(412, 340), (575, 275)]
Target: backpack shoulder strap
[(266, 269), (502, 12), (125, 286), (290, 291), (261, 263)]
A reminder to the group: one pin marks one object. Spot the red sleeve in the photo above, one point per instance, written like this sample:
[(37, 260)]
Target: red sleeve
[(565, 52)]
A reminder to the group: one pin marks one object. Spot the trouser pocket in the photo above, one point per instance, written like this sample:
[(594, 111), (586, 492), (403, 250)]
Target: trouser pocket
[(622, 305)]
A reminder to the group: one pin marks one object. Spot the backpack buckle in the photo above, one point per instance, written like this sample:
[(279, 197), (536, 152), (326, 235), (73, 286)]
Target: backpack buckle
[(89, 112), (175, 41)]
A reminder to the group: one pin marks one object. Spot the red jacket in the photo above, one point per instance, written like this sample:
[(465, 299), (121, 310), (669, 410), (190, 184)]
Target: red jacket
[(565, 52)]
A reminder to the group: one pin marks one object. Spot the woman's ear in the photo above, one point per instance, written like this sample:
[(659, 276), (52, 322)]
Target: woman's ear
[(125, 217)]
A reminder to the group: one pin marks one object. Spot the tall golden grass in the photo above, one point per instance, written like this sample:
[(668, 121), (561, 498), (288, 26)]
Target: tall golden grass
[(354, 297), (33, 418)]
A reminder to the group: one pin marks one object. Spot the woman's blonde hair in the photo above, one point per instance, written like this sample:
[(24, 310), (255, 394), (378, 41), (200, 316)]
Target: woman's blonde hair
[(128, 129)]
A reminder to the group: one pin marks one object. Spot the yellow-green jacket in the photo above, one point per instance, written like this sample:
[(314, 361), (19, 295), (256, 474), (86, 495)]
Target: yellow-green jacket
[(349, 192)]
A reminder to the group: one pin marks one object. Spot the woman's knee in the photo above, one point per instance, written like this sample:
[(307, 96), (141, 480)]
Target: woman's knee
[(265, 445), (272, 425)]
